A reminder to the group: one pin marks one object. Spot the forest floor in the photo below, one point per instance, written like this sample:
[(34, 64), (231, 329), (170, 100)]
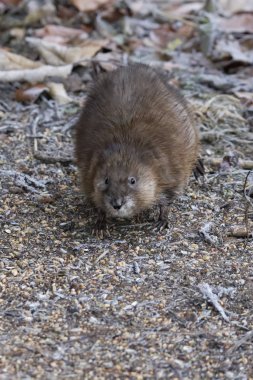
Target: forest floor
[(139, 304)]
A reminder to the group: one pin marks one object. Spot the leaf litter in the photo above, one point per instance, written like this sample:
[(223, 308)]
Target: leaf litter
[(138, 304)]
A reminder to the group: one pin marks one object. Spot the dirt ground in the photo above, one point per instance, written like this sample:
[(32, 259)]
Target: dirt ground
[(139, 304)]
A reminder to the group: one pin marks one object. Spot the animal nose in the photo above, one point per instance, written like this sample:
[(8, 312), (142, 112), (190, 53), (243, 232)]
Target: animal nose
[(117, 203)]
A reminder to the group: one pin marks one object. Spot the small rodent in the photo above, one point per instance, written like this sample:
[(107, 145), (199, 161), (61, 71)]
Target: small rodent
[(136, 143)]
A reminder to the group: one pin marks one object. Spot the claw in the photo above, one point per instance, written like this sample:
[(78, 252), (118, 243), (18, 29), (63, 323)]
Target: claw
[(162, 222), (199, 169), (161, 225), (100, 229)]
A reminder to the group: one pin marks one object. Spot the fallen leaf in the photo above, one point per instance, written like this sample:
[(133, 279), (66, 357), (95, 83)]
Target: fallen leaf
[(58, 92), (108, 61), (104, 28), (37, 11), (56, 54), (141, 8), (65, 12), (232, 6), (232, 49), (248, 96), (163, 35), (60, 34), (30, 94), (10, 61), (10, 2), (241, 23), (89, 5), (178, 11), (35, 75), (18, 33), (170, 66), (225, 83)]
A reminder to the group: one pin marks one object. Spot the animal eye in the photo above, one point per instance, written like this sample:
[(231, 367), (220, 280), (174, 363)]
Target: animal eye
[(106, 181), (132, 180)]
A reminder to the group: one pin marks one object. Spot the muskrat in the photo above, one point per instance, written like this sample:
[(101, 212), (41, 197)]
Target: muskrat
[(136, 143)]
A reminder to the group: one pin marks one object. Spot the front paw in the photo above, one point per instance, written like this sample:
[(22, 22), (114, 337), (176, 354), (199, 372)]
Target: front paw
[(161, 225), (162, 222), (100, 229)]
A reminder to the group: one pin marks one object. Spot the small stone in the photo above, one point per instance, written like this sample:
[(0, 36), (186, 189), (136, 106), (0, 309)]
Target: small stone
[(14, 272)]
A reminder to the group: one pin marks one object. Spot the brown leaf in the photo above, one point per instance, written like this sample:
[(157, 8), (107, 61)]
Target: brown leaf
[(10, 2), (56, 54), (175, 10), (163, 35), (89, 5), (60, 34), (30, 94), (65, 12), (242, 23), (10, 61)]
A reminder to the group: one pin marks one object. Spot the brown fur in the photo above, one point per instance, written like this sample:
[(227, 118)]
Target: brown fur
[(134, 124)]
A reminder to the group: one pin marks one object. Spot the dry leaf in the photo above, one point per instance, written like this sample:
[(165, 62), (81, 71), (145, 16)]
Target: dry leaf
[(37, 11), (10, 2), (56, 54), (89, 5), (18, 33), (247, 96), (232, 6), (163, 36), (10, 61), (65, 12), (35, 75), (108, 61), (242, 23), (142, 8), (30, 94), (58, 92), (60, 34), (104, 28), (233, 49), (178, 11)]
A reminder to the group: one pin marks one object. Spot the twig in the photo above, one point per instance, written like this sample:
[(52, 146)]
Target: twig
[(134, 225), (241, 141), (240, 231), (248, 204), (213, 298), (102, 255), (34, 132), (52, 159), (24, 181), (244, 164), (240, 342), (136, 268)]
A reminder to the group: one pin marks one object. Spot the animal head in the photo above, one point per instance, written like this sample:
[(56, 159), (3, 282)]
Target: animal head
[(123, 186)]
